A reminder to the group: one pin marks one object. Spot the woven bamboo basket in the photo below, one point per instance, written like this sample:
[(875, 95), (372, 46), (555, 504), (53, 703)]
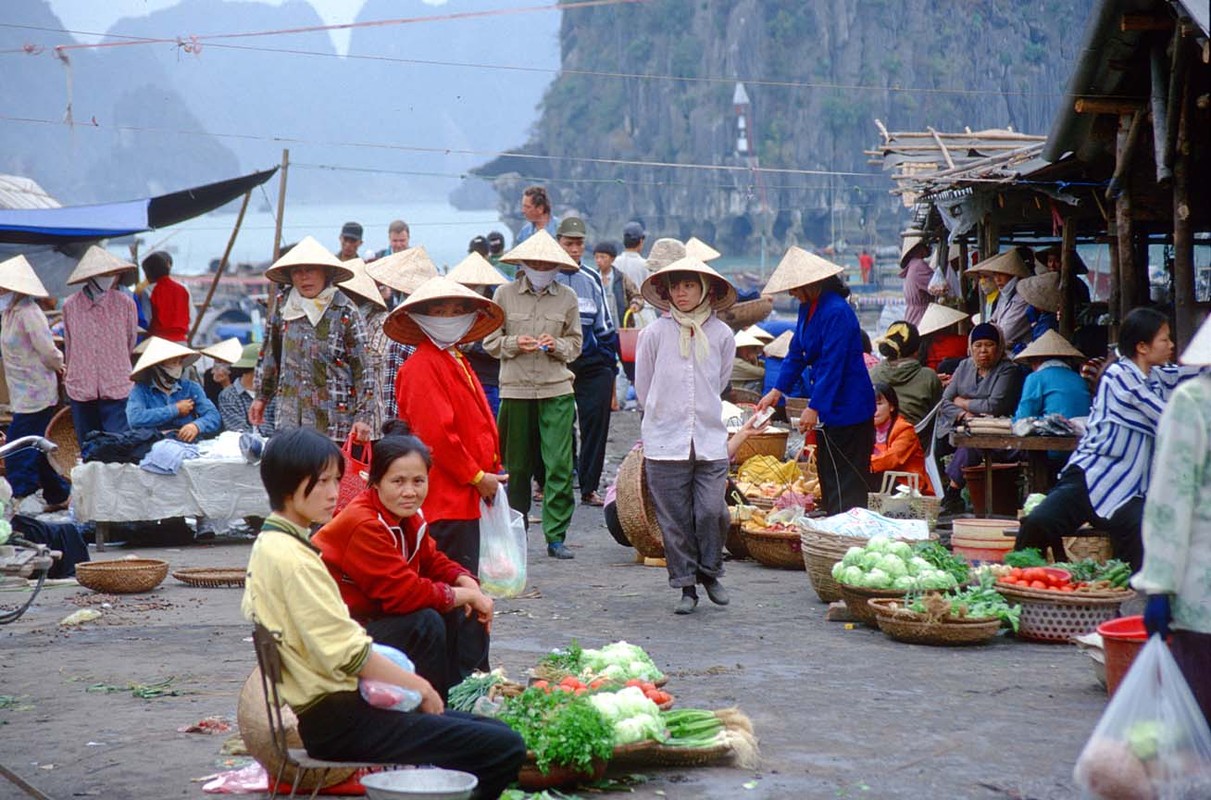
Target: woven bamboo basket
[(749, 312), (62, 431), (735, 542), (819, 565), (794, 408), (855, 598), (211, 577), (907, 626), (1057, 617), (636, 514), (1098, 548), (771, 442), (123, 576), (781, 549), (558, 776)]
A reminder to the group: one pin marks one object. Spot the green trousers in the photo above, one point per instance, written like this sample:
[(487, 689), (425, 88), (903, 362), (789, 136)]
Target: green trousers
[(529, 427)]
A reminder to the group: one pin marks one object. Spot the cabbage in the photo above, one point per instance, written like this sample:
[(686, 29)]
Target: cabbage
[(633, 702), (936, 579), (854, 576), (893, 566), (878, 544), (837, 568), (901, 549), (870, 560), (638, 729), (917, 565), (852, 557), (877, 579), (620, 661), (607, 704), (903, 583)]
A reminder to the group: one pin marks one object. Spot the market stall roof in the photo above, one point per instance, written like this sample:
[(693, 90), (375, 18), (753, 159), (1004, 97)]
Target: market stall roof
[(26, 223)]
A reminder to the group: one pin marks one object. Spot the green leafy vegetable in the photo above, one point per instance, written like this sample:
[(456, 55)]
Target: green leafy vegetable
[(559, 728), (1118, 573), (568, 660), (979, 601), (476, 685), (1030, 557), (941, 558)]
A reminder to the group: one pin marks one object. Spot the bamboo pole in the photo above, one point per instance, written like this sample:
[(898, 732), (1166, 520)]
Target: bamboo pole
[(271, 308), (218, 274), (1185, 302), (1067, 264), (1124, 223)]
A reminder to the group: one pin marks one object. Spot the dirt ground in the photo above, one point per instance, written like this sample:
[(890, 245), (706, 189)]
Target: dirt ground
[(839, 713)]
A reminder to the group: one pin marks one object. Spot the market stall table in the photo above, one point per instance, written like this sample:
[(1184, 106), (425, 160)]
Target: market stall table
[(218, 488), (1035, 448)]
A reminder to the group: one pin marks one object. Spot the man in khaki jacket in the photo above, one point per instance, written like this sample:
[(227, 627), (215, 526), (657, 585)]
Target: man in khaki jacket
[(540, 337)]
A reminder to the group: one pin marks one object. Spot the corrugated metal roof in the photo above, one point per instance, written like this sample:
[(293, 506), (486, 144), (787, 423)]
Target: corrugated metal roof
[(18, 192)]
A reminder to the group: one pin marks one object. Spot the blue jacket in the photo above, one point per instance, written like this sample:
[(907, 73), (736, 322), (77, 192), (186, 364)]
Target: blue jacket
[(773, 368), (1054, 389), (830, 342), (148, 407), (600, 340)]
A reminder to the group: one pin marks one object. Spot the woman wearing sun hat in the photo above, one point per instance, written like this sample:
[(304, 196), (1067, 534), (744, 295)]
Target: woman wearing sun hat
[(828, 339), (1009, 312), (402, 272), (32, 365), (365, 294), (683, 364), (100, 328), (164, 400), (477, 274), (314, 360), (1042, 296), (444, 405), (941, 343)]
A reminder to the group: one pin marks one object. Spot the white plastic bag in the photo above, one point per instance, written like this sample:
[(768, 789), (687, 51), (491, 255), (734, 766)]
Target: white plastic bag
[(1152, 742), (382, 694), (502, 548)]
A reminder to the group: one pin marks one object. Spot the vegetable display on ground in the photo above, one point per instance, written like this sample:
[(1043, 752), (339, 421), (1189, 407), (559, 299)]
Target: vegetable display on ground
[(899, 566)]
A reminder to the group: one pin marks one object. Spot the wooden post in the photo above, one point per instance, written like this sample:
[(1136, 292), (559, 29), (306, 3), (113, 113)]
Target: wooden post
[(1185, 308), (964, 279), (1123, 220), (218, 275), (1114, 303), (272, 305), (1067, 263)]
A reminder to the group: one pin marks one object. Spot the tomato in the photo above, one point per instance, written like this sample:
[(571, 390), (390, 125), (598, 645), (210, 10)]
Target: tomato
[(580, 691), (1010, 580), (1032, 574), (634, 682), (1067, 588), (541, 685), (1016, 572), (1038, 585), (597, 684)]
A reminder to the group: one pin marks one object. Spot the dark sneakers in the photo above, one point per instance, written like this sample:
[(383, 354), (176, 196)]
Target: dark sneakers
[(688, 601), (559, 550), (715, 591)]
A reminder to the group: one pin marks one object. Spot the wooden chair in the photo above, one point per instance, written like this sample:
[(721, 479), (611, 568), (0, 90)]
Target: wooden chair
[(270, 662)]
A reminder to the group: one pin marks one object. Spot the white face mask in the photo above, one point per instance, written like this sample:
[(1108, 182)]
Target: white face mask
[(539, 278), (174, 371), (445, 332)]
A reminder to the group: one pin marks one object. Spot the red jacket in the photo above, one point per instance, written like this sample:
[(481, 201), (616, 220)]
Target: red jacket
[(169, 310), (443, 403), (902, 453), (385, 567), (943, 346)]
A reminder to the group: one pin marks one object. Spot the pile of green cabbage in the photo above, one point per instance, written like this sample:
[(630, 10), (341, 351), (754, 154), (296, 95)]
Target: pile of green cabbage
[(619, 661), (633, 716), (887, 564)]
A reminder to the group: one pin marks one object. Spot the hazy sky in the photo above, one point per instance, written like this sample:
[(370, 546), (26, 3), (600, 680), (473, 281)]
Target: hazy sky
[(98, 15)]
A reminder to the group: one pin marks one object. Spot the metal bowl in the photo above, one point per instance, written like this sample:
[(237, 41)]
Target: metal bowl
[(420, 784)]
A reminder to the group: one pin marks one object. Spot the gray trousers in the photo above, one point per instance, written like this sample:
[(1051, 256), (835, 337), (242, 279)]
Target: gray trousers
[(690, 498)]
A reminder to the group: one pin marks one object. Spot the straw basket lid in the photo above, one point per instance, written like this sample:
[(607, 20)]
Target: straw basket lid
[(402, 328), (719, 285), (696, 248), (937, 317), (158, 351), (745, 339), (404, 271), (308, 253), (1198, 352), (96, 263), (361, 285), (910, 239), (17, 275), (475, 270), (760, 333), (1008, 263), (665, 252), (780, 346), (229, 351), (540, 246), (799, 268), (1049, 345), (1041, 291)]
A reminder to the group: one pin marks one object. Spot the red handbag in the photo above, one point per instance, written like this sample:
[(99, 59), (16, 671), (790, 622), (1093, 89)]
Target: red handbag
[(353, 482)]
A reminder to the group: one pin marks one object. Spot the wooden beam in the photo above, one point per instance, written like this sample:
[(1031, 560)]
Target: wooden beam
[(1185, 308), (1067, 276), (1160, 115), (945, 153), (1128, 134), (1146, 22), (1098, 105), (1124, 224), (274, 291)]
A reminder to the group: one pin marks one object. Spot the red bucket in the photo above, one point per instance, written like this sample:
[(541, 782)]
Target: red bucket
[(1122, 639), (627, 339)]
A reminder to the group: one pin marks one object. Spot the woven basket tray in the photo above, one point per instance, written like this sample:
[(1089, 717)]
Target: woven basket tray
[(894, 507), (905, 626), (636, 514), (123, 576), (819, 564), (1056, 617), (62, 431), (211, 577), (855, 599), (735, 542), (747, 312), (769, 443), (781, 549)]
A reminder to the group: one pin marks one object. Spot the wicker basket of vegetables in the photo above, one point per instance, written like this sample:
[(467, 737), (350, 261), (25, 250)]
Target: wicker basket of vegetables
[(973, 615), (773, 548), (1064, 600), (884, 568)]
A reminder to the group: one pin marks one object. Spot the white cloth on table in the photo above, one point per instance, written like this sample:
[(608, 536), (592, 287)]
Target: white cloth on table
[(205, 487), (167, 455)]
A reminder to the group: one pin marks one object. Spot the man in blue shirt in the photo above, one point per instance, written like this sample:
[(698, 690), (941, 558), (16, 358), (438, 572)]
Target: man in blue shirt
[(536, 208)]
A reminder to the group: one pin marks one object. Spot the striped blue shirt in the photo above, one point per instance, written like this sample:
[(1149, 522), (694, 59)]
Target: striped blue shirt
[(1116, 450)]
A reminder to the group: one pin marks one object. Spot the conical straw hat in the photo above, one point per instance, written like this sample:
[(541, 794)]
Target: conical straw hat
[(910, 240), (696, 248), (1049, 345), (1041, 291), (665, 252), (308, 253), (759, 332), (158, 351), (1008, 263), (475, 270), (404, 271), (361, 284), (780, 346), (1198, 352), (402, 328), (17, 275), (96, 263), (799, 268), (745, 339), (722, 289), (228, 351), (937, 317), (540, 246)]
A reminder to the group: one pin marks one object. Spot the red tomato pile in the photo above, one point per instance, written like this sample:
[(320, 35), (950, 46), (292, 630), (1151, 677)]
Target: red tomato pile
[(651, 691), (1044, 578), (568, 684), (578, 687)]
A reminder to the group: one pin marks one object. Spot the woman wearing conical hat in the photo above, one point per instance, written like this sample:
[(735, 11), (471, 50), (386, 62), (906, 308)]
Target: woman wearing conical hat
[(480, 276), (32, 365), (1009, 311), (314, 357), (164, 400), (828, 339), (100, 329), (364, 292)]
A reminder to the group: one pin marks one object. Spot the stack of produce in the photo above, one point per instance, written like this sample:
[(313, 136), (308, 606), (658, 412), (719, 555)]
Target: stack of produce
[(899, 566), (560, 729), (782, 483)]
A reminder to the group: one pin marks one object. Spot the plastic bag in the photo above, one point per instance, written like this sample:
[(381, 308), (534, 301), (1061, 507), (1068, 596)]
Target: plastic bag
[(502, 548), (382, 694), (353, 481), (1152, 742)]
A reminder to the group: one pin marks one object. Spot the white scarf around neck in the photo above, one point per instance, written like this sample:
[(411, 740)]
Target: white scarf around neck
[(691, 326), (313, 308)]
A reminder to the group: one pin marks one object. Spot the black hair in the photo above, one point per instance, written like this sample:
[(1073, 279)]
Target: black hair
[(901, 341), (834, 284), (538, 197), (157, 265), (1140, 326), (297, 457), (609, 248), (479, 245), (397, 442), (496, 242), (238, 372), (893, 399), (866, 346)]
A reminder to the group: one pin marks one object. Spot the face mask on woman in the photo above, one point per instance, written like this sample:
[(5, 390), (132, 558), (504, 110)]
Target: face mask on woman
[(540, 278), (174, 371), (445, 331)]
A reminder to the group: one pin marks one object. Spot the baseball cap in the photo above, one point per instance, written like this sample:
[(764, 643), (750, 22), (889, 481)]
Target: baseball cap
[(607, 247), (351, 230), (572, 227), (634, 230)]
